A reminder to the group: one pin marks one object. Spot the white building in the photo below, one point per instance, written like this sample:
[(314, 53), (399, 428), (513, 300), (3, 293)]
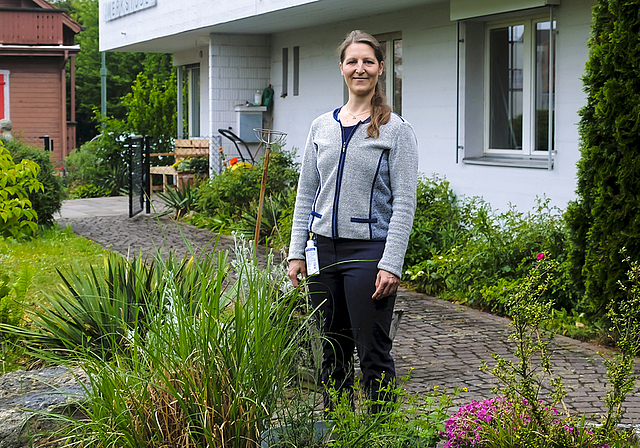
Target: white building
[(474, 77)]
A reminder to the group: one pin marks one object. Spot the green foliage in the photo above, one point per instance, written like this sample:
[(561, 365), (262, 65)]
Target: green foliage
[(229, 201), (208, 368), (520, 418), (404, 420), (606, 216), (625, 318), (522, 381), (12, 295), (274, 212), (439, 222), (488, 250), (152, 110), (17, 181), (93, 309), (89, 191), (500, 423), (232, 190), (180, 200), (199, 165), (46, 202), (122, 70)]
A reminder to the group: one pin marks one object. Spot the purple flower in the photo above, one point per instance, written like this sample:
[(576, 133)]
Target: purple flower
[(540, 256)]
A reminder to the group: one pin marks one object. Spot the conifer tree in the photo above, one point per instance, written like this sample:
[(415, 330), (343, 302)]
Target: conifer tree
[(606, 216)]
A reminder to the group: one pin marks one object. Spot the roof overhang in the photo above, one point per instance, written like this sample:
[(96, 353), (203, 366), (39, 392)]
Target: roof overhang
[(39, 50), (313, 13)]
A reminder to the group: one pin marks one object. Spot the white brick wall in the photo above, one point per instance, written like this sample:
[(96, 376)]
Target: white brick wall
[(240, 66)]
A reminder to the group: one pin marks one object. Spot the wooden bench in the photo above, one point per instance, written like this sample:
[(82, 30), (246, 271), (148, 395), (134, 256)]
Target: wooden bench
[(183, 148)]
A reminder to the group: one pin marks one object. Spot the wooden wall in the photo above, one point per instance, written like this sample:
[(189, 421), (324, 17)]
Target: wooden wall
[(35, 95)]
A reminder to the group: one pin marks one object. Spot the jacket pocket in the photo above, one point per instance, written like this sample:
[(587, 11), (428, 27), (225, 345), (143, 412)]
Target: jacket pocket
[(365, 221)]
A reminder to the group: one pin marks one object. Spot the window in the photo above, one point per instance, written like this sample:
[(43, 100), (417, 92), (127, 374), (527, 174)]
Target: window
[(506, 89), (518, 87), (391, 78), (194, 100), (4, 94)]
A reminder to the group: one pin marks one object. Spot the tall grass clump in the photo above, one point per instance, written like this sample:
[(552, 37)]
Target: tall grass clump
[(204, 362)]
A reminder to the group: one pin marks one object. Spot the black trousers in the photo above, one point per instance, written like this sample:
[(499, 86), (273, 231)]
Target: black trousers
[(350, 317)]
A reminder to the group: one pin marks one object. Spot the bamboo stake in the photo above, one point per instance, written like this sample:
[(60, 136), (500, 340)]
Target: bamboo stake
[(263, 186)]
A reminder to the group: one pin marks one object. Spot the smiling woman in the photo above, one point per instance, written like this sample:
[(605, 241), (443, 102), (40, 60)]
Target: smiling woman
[(354, 208)]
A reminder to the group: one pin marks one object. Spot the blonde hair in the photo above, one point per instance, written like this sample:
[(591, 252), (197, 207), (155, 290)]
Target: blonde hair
[(380, 110)]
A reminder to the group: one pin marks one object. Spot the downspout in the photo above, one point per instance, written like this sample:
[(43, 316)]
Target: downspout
[(72, 109), (63, 101), (180, 103), (211, 129), (458, 91)]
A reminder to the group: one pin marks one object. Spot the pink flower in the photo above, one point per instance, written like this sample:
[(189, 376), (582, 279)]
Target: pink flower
[(540, 256)]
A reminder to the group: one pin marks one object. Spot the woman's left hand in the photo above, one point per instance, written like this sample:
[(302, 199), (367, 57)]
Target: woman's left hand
[(386, 284)]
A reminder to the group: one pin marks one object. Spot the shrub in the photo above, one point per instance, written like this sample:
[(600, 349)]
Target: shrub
[(17, 181), (498, 422), (403, 421), (89, 191), (232, 190), (83, 164), (492, 250), (606, 215), (439, 221), (46, 202)]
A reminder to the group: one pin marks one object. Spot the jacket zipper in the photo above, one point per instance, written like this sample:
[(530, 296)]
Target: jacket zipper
[(336, 198)]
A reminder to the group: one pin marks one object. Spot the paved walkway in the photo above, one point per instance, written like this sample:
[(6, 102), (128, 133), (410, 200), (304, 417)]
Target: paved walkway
[(444, 342)]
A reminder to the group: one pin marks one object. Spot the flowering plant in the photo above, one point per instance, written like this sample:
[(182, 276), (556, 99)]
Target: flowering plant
[(498, 422)]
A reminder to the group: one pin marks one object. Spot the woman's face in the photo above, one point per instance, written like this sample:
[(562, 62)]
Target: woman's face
[(360, 69)]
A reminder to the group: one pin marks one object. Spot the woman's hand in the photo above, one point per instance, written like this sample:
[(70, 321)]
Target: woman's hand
[(297, 271), (386, 284)]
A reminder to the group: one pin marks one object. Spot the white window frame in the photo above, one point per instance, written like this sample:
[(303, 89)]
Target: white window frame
[(528, 88), (7, 109)]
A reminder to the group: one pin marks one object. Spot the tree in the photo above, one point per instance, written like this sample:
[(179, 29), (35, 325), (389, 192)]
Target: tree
[(152, 110), (122, 69), (606, 216)]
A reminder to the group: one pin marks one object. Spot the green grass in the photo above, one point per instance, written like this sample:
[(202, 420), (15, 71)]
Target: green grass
[(52, 249)]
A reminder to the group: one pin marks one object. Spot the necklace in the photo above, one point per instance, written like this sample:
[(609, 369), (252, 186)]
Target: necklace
[(355, 116)]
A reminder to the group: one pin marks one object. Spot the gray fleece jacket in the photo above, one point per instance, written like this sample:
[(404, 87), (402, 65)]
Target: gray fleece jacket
[(361, 188)]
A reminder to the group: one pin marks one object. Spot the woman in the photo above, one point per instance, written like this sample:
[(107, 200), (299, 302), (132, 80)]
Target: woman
[(356, 201)]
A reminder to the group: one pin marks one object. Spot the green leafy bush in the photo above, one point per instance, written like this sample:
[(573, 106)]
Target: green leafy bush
[(231, 191), (439, 223), (495, 247), (83, 165), (46, 202), (12, 295), (403, 421), (89, 191), (17, 181), (606, 215)]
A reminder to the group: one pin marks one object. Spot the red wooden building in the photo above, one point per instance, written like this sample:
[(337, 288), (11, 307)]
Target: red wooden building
[(36, 50)]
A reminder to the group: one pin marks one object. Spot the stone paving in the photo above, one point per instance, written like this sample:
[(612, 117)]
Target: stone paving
[(444, 342)]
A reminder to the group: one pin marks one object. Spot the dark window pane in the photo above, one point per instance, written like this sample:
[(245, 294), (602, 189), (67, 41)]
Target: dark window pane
[(397, 76), (506, 63), (542, 91)]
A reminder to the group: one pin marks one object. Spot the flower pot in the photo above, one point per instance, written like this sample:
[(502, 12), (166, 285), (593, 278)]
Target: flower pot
[(278, 435)]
